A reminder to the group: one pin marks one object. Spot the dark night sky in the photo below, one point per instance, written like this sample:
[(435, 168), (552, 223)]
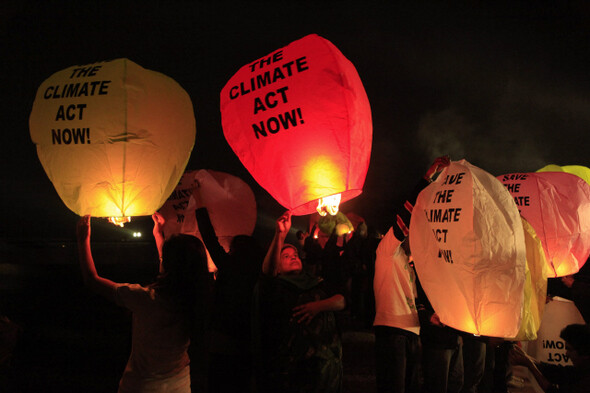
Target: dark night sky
[(504, 86)]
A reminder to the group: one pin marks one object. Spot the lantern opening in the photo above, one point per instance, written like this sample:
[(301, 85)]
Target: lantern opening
[(120, 221), (329, 204)]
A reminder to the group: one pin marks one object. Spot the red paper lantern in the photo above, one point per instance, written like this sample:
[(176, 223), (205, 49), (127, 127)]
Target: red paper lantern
[(557, 205), (300, 122)]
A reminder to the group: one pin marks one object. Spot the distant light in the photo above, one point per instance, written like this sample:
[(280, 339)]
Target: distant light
[(136, 234)]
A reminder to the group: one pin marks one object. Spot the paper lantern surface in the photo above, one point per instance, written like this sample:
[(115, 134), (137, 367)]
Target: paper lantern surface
[(578, 170), (549, 347), (299, 120), (557, 205), (467, 243), (229, 201), (535, 288), (113, 137)]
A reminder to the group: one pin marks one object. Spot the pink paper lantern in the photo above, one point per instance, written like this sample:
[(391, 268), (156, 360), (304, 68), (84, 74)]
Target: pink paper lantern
[(557, 205)]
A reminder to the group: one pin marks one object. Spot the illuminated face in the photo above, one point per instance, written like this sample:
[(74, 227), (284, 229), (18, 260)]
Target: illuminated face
[(290, 262)]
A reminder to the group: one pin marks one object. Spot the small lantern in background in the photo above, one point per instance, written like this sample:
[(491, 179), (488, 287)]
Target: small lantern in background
[(229, 201), (557, 205), (578, 170)]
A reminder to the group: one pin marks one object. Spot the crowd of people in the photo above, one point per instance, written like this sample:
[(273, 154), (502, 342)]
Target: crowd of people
[(270, 322)]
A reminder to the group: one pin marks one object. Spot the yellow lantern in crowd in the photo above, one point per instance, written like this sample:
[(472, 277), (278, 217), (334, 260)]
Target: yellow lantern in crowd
[(578, 170), (535, 287), (113, 137)]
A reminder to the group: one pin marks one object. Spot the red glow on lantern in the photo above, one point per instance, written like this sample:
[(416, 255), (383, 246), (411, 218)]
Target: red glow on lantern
[(309, 135)]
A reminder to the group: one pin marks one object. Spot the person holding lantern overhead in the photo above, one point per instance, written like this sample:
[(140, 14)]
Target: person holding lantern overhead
[(396, 324), (442, 356), (237, 274), (298, 345), (166, 314)]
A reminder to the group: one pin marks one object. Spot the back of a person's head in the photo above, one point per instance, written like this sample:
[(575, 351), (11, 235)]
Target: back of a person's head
[(185, 271), (578, 336), (247, 249)]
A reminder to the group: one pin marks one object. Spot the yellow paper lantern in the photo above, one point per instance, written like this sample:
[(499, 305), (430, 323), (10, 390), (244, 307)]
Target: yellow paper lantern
[(578, 170), (113, 137), (535, 287)]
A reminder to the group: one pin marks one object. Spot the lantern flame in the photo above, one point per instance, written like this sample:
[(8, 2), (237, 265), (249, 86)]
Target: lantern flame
[(329, 204), (120, 221)]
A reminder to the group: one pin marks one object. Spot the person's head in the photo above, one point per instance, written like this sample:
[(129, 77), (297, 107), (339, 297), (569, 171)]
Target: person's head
[(577, 343), (184, 269), (289, 260), (362, 229)]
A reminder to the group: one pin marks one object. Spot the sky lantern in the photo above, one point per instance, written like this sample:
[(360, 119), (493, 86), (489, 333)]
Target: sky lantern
[(467, 243), (557, 205), (535, 288), (578, 170), (113, 137), (549, 347), (300, 122), (229, 201)]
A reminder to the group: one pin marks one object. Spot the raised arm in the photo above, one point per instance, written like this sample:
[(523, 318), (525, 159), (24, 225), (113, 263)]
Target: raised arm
[(437, 166), (92, 280), (271, 260), (158, 232), (218, 254)]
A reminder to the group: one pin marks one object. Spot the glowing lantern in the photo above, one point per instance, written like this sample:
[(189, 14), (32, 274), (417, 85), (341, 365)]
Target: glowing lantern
[(578, 170), (339, 221), (326, 224), (300, 122), (467, 242), (549, 347), (229, 201), (557, 205), (113, 137), (535, 288)]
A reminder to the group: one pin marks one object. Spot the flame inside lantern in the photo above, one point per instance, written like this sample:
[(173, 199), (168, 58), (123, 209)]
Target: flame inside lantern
[(329, 204), (120, 221)]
